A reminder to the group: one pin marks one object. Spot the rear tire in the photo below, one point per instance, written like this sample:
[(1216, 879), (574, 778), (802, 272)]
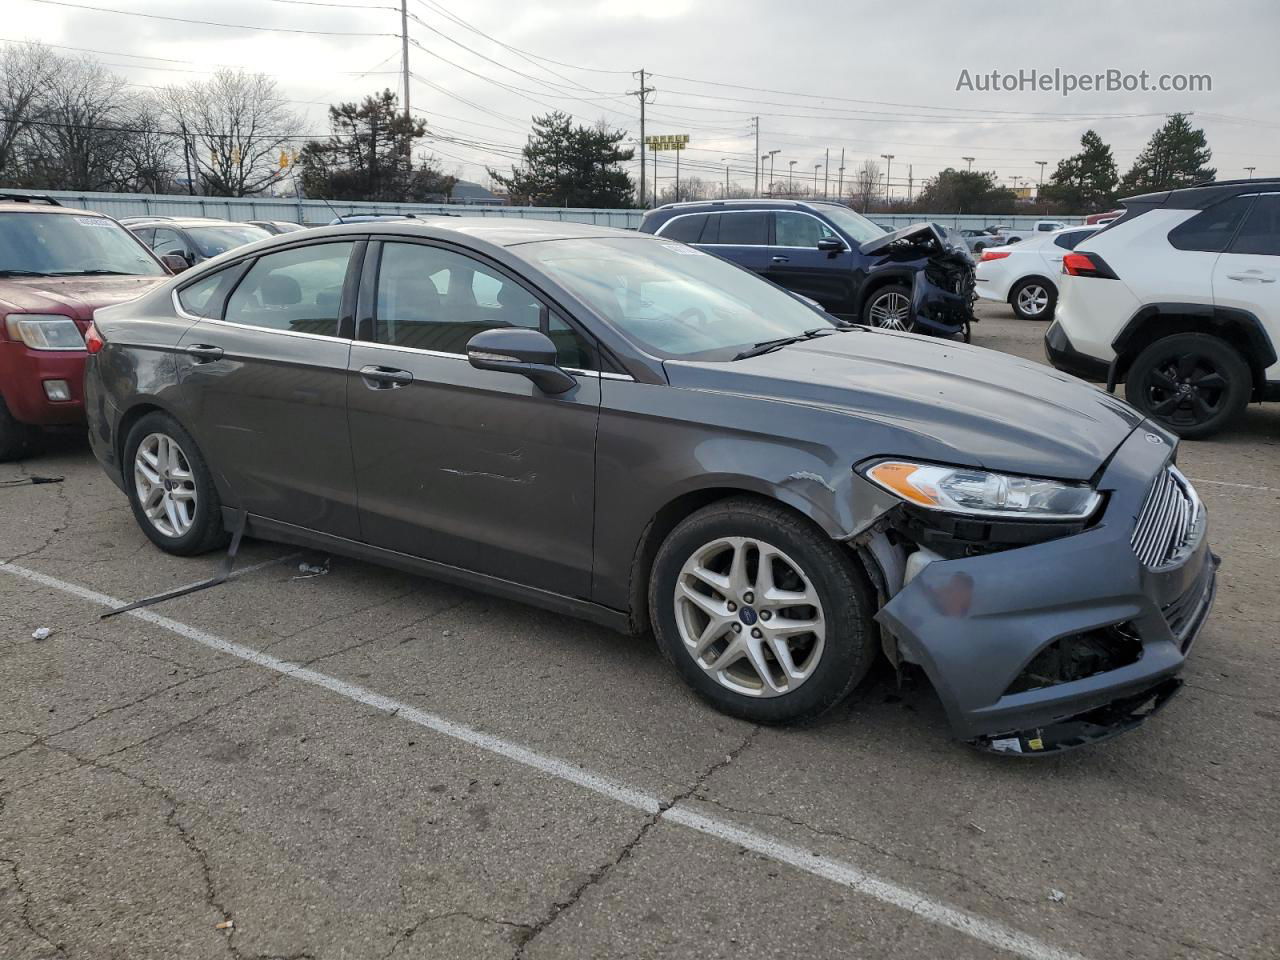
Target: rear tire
[(724, 640), (1194, 384), (170, 488), (17, 440), (1034, 299)]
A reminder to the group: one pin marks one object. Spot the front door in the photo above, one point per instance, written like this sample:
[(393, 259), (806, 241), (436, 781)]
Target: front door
[(264, 387), (473, 468), (795, 262)]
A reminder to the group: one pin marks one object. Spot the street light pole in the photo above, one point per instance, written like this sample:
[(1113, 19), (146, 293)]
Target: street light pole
[(772, 154), (816, 168), (969, 161), (888, 172), (840, 179), (726, 162), (791, 178), (1251, 169)]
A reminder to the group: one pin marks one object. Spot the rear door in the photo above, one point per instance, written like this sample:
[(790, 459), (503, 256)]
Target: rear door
[(264, 384), (741, 236), (1247, 275), (473, 468), (795, 262)]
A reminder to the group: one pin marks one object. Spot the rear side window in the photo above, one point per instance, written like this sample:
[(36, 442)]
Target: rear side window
[(298, 290), (1068, 241), (687, 228), (199, 298), (744, 229), (1260, 234), (1211, 230)]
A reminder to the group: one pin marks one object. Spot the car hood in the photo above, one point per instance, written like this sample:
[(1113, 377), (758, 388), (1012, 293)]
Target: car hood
[(77, 297), (917, 233), (935, 399)]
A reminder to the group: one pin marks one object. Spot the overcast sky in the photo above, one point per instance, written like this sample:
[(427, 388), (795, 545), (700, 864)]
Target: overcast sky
[(901, 61)]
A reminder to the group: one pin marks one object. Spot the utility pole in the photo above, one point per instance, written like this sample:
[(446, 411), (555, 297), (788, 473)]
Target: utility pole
[(655, 178), (756, 123), (677, 174), (404, 52), (840, 179), (888, 158), (969, 161), (911, 181), (643, 94), (726, 161), (826, 174)]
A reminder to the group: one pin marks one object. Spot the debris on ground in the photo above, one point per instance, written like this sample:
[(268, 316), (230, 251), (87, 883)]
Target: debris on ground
[(1057, 896), (41, 633), (976, 828), (34, 481), (225, 925), (309, 570)]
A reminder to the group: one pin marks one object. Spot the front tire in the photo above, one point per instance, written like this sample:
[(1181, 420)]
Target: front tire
[(1034, 299), (761, 613), (889, 308), (171, 488), (17, 440), (1194, 384)]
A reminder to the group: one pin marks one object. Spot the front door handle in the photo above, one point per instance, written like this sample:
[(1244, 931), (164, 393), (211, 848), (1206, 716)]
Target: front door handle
[(1254, 276), (781, 259), (382, 378), (204, 352)]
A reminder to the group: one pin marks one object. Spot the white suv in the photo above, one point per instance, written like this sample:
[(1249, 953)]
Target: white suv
[(1179, 299)]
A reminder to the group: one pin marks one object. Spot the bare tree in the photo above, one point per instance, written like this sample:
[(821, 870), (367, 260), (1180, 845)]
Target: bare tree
[(150, 156), (25, 73), (691, 188), (75, 144), (235, 126), (865, 186)]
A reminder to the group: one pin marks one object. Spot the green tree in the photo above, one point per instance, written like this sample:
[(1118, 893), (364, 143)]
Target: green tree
[(570, 166), (369, 156), (1177, 155), (966, 191), (1085, 182)]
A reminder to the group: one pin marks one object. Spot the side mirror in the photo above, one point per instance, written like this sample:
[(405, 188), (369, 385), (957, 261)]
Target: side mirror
[(176, 262), (831, 245), (529, 353)]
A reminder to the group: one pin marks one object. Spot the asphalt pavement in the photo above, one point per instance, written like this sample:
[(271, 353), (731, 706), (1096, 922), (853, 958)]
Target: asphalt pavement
[(365, 764)]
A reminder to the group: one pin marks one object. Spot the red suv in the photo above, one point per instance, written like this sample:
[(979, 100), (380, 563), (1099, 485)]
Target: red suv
[(57, 265)]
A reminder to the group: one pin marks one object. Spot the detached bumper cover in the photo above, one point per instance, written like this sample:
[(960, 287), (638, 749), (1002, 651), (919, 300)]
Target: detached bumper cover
[(975, 624)]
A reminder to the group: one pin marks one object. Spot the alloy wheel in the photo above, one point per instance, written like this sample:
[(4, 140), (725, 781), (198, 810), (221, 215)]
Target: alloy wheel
[(1185, 390), (165, 484), (749, 616), (1033, 299), (891, 311)]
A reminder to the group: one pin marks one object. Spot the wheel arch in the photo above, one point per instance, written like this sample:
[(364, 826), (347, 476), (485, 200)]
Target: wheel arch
[(1039, 277), (1239, 328), (878, 279)]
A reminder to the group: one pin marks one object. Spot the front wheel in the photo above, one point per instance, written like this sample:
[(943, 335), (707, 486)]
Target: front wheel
[(890, 309), (760, 612), (1194, 384), (17, 440), (171, 488)]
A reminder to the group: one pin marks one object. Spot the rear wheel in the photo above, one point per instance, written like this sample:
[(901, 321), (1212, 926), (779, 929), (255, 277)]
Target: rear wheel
[(1034, 299), (1194, 384), (17, 440), (761, 613), (171, 488), (890, 309)]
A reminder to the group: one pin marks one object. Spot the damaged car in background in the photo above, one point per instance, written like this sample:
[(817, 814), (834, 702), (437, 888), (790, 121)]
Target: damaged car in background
[(626, 429), (917, 279)]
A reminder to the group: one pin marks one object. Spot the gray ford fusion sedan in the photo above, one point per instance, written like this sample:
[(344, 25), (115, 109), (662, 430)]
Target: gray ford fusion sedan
[(626, 429)]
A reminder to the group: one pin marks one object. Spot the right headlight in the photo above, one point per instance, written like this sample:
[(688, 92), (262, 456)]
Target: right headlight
[(968, 491), (45, 331)]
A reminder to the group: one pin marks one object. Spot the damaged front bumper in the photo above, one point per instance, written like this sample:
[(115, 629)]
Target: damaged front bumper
[(1016, 642)]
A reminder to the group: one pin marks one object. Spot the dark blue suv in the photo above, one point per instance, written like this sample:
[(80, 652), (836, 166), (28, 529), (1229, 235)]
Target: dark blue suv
[(917, 278)]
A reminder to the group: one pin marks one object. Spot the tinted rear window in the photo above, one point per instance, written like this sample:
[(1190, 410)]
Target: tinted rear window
[(744, 229), (687, 228)]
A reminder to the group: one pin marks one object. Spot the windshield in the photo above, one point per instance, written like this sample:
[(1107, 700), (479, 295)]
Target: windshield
[(64, 244), (858, 228), (211, 241), (674, 301)]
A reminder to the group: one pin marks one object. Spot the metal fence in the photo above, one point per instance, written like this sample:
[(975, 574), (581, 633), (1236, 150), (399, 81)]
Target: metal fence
[(313, 212)]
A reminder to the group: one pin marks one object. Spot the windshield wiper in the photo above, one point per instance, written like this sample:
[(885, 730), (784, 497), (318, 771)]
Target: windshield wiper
[(90, 273), (765, 346), (22, 273)]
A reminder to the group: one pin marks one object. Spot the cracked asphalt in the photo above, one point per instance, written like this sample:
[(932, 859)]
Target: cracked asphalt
[(161, 798)]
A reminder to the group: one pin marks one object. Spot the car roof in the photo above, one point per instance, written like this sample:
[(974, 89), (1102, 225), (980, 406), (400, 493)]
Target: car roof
[(186, 222), (21, 206), (1203, 195), (500, 231)]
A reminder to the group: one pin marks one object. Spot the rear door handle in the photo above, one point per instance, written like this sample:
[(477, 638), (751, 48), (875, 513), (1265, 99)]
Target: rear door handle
[(781, 259), (382, 378), (204, 352), (1256, 276)]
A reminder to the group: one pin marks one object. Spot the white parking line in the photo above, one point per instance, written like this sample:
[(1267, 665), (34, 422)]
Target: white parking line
[(1238, 486), (991, 932)]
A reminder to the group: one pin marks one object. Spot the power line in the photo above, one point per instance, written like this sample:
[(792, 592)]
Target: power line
[(210, 23)]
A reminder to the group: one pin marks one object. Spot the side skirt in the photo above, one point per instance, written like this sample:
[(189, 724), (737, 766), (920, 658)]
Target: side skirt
[(264, 529)]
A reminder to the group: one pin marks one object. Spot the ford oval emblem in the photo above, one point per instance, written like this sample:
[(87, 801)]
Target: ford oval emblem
[(1152, 438)]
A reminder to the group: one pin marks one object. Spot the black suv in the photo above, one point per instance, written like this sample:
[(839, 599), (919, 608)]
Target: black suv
[(917, 278)]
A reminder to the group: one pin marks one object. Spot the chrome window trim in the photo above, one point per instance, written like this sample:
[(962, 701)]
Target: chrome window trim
[(251, 326), (602, 374), (722, 213), (806, 213)]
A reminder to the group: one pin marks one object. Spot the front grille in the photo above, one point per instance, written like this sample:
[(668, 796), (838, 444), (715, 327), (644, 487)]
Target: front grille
[(1168, 520)]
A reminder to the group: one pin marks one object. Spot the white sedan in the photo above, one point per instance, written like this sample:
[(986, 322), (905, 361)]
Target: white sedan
[(1023, 274)]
